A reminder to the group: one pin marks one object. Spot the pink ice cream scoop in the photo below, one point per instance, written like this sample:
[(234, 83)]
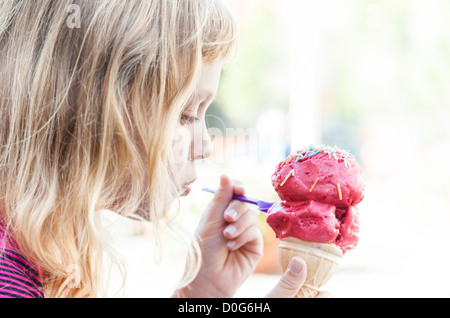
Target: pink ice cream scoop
[(319, 188)]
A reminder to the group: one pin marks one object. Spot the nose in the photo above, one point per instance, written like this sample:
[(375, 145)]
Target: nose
[(202, 147), (207, 148)]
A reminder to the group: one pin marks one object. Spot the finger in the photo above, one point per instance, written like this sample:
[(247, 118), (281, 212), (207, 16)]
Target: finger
[(291, 281), (233, 230), (222, 197), (238, 187), (235, 210), (250, 235)]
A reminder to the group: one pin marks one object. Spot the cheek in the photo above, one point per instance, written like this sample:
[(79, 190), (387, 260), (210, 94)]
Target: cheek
[(181, 145)]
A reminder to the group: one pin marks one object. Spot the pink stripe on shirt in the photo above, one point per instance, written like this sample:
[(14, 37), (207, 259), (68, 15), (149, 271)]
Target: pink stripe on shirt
[(18, 277)]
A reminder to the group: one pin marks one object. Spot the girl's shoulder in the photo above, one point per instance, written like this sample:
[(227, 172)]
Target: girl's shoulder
[(18, 277)]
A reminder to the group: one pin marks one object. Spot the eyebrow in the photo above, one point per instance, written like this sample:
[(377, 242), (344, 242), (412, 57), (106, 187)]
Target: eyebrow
[(205, 91), (205, 95), (210, 96)]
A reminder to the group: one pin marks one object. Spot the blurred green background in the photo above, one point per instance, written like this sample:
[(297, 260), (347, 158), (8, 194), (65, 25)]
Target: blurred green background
[(370, 76)]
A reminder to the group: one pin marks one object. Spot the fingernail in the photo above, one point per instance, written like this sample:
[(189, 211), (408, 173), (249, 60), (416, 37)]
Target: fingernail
[(295, 266), (231, 229), (232, 213), (231, 244)]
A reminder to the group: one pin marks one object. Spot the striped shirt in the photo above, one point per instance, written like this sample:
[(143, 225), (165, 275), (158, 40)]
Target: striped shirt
[(18, 278)]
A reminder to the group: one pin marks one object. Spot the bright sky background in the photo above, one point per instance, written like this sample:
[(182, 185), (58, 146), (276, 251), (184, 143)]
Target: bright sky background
[(368, 76)]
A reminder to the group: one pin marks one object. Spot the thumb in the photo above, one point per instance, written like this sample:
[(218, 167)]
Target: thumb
[(224, 193), (222, 197), (291, 281)]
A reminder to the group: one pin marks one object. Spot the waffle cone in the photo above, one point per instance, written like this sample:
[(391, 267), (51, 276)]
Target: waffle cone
[(321, 259)]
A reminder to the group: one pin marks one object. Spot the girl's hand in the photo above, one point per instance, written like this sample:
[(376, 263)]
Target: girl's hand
[(231, 246), (230, 242)]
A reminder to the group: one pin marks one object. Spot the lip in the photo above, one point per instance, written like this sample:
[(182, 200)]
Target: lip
[(186, 190), (187, 187), (190, 182)]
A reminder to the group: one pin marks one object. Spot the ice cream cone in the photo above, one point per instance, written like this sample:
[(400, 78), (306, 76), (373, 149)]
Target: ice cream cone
[(321, 259)]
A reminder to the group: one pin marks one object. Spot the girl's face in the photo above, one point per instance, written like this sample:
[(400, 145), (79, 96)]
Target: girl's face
[(191, 141)]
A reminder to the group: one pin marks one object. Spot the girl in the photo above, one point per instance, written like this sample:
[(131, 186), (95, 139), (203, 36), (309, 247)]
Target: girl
[(103, 107)]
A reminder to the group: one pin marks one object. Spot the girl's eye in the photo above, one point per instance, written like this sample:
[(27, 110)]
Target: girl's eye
[(185, 119)]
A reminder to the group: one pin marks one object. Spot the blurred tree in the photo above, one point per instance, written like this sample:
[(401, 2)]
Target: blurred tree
[(258, 80)]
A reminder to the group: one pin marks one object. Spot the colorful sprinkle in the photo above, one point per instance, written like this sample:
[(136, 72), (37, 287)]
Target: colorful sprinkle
[(338, 186), (284, 162), (313, 150), (313, 153), (310, 190), (291, 173)]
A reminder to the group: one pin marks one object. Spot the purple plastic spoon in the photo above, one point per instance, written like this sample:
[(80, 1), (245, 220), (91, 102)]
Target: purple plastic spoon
[(262, 205)]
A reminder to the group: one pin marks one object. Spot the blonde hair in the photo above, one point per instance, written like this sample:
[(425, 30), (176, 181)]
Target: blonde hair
[(79, 105)]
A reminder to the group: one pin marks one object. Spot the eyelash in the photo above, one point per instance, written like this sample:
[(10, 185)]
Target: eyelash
[(188, 119)]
